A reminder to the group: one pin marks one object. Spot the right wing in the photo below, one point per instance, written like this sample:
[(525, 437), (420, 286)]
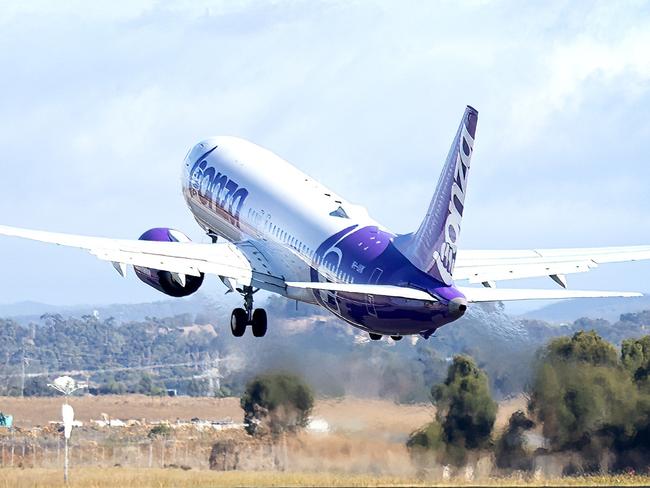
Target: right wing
[(491, 266), (188, 258)]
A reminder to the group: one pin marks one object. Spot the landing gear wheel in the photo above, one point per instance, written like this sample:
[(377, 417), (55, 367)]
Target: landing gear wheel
[(238, 321), (374, 337), (259, 322), (396, 337)]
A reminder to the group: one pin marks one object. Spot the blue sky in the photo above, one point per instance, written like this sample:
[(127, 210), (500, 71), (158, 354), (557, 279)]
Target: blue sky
[(100, 102)]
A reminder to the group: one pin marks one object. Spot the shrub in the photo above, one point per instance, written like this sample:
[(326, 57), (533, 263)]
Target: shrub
[(510, 450), (587, 401), (276, 403), (160, 430), (465, 416)]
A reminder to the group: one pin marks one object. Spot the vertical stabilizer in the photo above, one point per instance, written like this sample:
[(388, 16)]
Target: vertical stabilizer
[(432, 248)]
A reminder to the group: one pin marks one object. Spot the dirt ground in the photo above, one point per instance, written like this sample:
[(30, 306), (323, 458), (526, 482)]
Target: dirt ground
[(347, 414)]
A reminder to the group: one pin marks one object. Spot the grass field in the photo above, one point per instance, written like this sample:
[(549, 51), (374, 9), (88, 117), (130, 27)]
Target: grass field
[(159, 478), (346, 414)]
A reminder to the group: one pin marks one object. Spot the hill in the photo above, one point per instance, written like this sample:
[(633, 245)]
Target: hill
[(145, 349), (28, 311), (593, 308)]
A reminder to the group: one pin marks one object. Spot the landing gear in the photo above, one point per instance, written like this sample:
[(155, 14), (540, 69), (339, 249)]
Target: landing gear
[(238, 321), (396, 337), (242, 317), (374, 337), (258, 324)]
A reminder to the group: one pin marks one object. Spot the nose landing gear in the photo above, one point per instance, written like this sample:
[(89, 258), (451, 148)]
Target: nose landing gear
[(242, 317)]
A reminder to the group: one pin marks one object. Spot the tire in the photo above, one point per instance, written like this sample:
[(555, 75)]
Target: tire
[(396, 337), (259, 322), (238, 321), (375, 337)]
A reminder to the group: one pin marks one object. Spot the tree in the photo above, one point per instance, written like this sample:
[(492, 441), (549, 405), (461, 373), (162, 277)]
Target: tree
[(276, 403), (37, 386), (583, 347), (466, 411), (635, 356), (510, 450), (585, 398), (147, 386)]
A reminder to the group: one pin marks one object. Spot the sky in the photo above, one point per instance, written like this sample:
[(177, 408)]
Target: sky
[(100, 102)]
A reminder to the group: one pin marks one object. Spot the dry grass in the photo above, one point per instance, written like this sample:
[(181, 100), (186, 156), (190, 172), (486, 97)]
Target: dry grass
[(29, 412), (159, 478), (373, 417), (344, 415)]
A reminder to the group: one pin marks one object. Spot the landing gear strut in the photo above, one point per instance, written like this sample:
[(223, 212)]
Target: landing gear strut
[(242, 317)]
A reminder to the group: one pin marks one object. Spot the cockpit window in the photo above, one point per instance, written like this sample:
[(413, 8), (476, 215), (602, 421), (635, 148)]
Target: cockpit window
[(339, 212)]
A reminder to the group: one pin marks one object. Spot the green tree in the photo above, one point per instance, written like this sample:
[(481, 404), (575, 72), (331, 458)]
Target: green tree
[(465, 414), (37, 386), (585, 398), (635, 356), (583, 347), (276, 403), (510, 450), (147, 386)]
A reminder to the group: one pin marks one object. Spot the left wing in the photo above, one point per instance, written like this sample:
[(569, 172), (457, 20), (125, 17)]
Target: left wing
[(381, 290), (473, 295), (488, 267), (188, 258)]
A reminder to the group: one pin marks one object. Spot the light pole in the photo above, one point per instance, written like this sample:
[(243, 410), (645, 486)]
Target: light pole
[(67, 386)]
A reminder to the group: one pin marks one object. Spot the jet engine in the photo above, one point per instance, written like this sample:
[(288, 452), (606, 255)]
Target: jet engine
[(172, 284)]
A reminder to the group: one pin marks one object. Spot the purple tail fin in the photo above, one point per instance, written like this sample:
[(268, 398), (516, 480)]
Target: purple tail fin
[(432, 248)]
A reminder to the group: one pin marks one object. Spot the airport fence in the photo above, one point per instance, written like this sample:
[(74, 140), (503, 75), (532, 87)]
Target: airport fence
[(30, 452)]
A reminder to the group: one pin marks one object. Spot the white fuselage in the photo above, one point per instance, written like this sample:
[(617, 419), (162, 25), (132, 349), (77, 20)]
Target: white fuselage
[(275, 214)]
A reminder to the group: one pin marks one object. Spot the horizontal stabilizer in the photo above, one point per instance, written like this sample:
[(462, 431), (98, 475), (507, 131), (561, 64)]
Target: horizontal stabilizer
[(380, 290), (510, 294), (493, 265)]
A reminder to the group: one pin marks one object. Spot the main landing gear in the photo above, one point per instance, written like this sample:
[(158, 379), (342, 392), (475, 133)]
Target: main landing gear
[(242, 317), (377, 337)]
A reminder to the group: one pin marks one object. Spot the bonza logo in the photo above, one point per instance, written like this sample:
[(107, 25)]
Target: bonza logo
[(216, 191), (444, 258)]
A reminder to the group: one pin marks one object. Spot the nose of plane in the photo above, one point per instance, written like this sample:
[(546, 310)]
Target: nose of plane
[(457, 307)]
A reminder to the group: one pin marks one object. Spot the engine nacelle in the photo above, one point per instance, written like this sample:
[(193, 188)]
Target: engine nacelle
[(164, 281)]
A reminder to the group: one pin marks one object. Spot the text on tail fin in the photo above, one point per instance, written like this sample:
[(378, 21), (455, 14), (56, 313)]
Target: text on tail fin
[(433, 247)]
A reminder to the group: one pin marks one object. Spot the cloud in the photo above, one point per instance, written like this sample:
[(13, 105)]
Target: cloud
[(620, 67), (99, 105)]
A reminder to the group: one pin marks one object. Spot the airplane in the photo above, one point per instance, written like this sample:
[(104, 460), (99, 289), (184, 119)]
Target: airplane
[(274, 228)]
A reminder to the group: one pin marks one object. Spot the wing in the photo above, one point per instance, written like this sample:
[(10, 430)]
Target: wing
[(473, 295), (488, 267), (380, 290), (477, 295), (189, 258)]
